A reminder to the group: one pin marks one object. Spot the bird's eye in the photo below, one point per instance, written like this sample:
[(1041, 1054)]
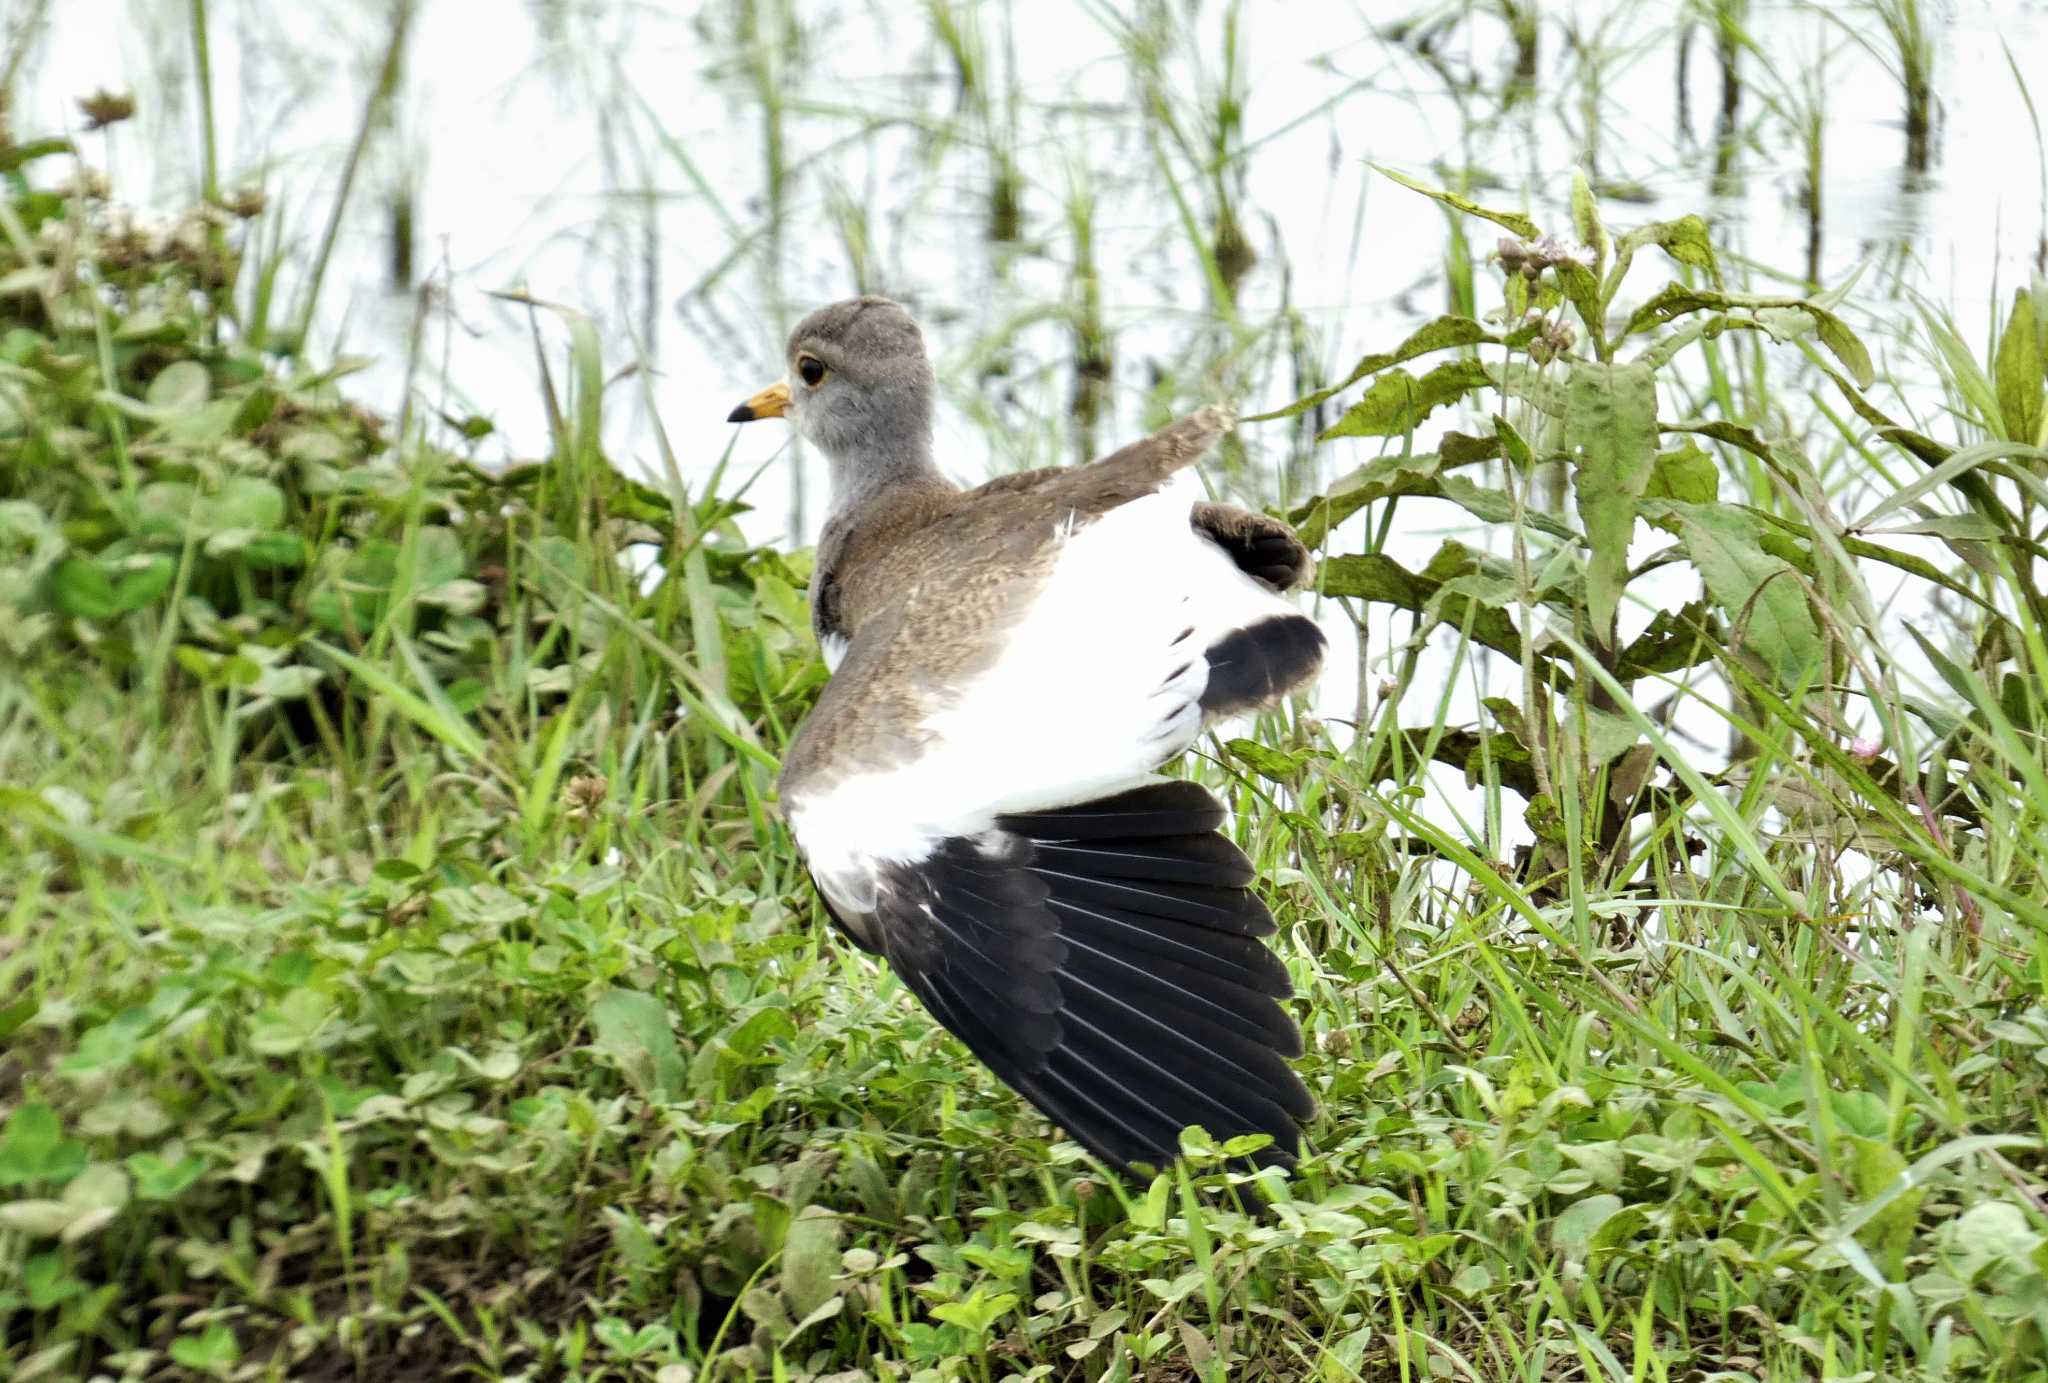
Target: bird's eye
[(812, 370)]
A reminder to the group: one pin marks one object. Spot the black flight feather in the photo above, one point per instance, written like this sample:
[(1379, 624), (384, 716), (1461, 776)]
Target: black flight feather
[(1102, 960)]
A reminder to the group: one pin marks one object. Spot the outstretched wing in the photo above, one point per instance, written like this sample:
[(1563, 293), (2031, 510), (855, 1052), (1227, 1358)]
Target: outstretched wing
[(1079, 924), (1104, 960)]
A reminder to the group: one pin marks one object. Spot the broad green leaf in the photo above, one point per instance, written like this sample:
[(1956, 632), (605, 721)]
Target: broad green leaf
[(1573, 1230), (439, 557), (1397, 402), (214, 1349), (1611, 429), (2019, 370), (1514, 220), (1371, 576), (103, 588), (1686, 473), (164, 507), (1376, 576), (270, 551), (633, 1029), (34, 1148), (302, 1020), (1582, 290), (158, 1180), (1495, 506), (1761, 595), (179, 386), (82, 590), (1670, 302), (810, 1259), (243, 501)]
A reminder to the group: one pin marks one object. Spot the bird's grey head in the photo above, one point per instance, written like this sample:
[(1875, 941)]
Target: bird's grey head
[(860, 389)]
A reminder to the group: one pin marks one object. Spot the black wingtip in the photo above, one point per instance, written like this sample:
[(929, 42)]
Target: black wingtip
[(742, 414), (1104, 960), (1255, 666)]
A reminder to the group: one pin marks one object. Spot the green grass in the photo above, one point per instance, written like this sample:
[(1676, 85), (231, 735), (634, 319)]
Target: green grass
[(403, 968)]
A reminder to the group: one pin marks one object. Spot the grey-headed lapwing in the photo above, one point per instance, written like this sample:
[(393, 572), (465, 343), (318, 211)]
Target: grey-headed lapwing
[(976, 791)]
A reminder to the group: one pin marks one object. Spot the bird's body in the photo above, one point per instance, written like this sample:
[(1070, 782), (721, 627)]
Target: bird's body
[(975, 791)]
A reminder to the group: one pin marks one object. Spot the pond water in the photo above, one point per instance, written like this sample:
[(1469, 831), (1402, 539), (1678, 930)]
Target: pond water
[(1039, 181)]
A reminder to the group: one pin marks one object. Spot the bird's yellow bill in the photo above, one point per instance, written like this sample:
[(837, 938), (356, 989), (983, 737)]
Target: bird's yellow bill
[(771, 402)]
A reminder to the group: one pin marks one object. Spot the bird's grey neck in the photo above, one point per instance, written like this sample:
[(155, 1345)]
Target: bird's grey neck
[(858, 477)]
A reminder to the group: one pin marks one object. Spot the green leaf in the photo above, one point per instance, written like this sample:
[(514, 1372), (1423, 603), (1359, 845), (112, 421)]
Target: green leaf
[(1381, 478), (1670, 302), (82, 590), (1686, 240), (244, 501), (1573, 1230), (632, 1028), (978, 1312), (179, 386), (1445, 333), (1611, 429), (1586, 218), (1398, 401), (213, 1350), (104, 588), (300, 1021), (1271, 764), (1513, 220), (35, 1149), (158, 1180), (1687, 474), (271, 551), (2020, 372), (1760, 594), (810, 1259), (1376, 576)]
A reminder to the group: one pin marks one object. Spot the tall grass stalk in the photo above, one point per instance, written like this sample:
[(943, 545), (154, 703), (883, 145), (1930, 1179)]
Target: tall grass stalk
[(377, 103)]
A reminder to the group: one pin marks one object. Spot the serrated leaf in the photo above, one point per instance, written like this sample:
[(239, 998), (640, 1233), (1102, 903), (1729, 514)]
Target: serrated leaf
[(1763, 600), (1449, 332), (1611, 428), (1397, 402), (1382, 478)]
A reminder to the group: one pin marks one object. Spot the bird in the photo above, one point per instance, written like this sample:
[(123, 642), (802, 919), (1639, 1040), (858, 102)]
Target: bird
[(976, 791)]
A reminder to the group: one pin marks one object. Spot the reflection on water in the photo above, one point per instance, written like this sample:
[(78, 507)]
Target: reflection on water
[(1102, 214)]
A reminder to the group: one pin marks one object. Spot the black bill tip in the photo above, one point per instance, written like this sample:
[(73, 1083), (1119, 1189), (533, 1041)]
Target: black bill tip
[(742, 414)]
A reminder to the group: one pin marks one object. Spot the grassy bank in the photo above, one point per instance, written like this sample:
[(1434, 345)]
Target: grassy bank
[(402, 968)]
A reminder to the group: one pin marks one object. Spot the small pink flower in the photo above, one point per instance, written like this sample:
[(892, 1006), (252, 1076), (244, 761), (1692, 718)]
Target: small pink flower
[(1865, 748)]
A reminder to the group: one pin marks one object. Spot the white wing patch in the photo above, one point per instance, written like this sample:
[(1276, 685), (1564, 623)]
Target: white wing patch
[(1098, 685), (833, 647)]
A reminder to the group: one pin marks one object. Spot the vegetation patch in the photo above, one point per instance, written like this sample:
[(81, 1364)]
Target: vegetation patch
[(402, 969)]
